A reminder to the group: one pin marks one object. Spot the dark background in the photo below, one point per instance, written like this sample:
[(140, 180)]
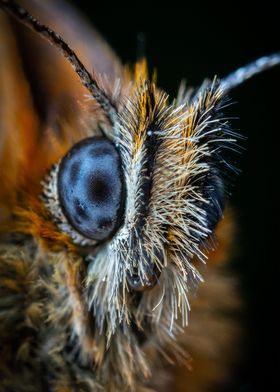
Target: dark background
[(195, 41)]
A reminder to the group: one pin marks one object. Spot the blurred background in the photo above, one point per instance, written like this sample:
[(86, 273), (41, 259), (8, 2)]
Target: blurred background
[(195, 41), (192, 42)]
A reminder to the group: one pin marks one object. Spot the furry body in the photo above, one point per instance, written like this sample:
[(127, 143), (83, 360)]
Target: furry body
[(67, 314)]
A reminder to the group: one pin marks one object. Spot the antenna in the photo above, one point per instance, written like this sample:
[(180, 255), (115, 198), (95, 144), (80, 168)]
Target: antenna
[(56, 40), (242, 74)]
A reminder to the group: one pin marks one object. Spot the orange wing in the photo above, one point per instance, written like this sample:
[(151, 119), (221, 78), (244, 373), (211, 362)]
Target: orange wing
[(44, 108)]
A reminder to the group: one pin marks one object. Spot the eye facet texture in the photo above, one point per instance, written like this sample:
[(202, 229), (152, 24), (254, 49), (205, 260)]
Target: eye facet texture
[(91, 189)]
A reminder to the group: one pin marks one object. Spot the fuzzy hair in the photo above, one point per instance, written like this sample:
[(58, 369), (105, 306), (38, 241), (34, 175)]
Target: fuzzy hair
[(66, 310), (46, 326), (188, 136), (176, 223)]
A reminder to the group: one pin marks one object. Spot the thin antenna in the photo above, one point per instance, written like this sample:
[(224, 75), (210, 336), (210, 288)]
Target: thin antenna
[(55, 39), (240, 76)]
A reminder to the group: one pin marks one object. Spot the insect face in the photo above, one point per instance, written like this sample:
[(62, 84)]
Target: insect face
[(113, 221), (148, 199)]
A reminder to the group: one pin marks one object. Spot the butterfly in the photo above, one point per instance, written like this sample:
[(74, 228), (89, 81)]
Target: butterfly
[(112, 200)]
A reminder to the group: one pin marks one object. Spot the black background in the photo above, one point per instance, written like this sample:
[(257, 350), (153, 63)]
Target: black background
[(195, 41)]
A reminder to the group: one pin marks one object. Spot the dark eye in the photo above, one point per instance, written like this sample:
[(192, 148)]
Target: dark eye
[(90, 188)]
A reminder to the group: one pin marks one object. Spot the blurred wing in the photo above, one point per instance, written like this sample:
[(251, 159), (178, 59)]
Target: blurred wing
[(18, 121), (53, 81), (44, 108)]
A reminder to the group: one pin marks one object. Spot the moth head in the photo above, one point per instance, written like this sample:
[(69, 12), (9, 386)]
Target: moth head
[(146, 197), (140, 200)]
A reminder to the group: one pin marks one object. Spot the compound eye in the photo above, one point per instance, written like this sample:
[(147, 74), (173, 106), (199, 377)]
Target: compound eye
[(91, 189)]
